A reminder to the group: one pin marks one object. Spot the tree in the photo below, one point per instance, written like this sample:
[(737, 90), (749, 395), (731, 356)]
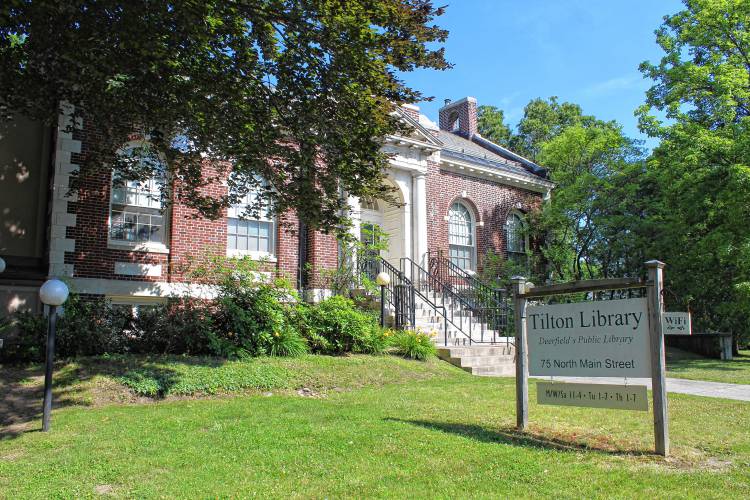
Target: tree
[(491, 125), (299, 92), (588, 223), (701, 167), (543, 120)]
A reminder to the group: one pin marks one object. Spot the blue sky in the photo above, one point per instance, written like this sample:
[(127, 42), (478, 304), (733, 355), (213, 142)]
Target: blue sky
[(507, 52)]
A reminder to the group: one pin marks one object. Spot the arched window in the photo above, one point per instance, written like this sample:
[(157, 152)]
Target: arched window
[(136, 214), (516, 235), (461, 239), (251, 227)]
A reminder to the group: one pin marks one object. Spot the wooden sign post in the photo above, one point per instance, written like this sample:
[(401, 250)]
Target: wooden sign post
[(658, 379), (522, 359), (611, 338)]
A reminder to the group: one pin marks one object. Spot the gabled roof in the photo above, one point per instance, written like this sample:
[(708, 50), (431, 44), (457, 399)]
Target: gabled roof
[(486, 153), (423, 133)]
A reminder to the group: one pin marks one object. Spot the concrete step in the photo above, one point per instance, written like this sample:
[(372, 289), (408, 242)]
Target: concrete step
[(476, 351), (486, 360), (481, 361), (494, 371)]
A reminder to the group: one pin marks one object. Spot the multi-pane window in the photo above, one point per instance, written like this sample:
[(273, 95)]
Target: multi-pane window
[(461, 236), (136, 215), (250, 226), (515, 234)]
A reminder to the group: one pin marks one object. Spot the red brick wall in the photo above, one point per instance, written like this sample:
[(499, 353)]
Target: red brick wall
[(190, 238), (322, 256), (490, 202)]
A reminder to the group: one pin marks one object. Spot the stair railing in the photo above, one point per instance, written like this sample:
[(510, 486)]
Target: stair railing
[(485, 307)]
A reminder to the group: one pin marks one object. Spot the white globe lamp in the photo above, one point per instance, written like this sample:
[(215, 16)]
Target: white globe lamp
[(54, 292), (383, 279)]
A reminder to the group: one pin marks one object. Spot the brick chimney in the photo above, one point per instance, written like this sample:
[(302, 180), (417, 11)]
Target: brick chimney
[(412, 110), (459, 116)]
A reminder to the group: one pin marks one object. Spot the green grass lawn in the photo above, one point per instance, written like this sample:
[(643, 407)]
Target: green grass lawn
[(366, 427), (683, 364)]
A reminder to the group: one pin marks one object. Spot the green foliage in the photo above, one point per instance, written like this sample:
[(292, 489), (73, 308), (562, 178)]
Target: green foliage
[(247, 319), (358, 261), (413, 344), (542, 120), (287, 342), (587, 224), (181, 325), (491, 125), (337, 326), (90, 326), (700, 173), (498, 270), (304, 83), (27, 341)]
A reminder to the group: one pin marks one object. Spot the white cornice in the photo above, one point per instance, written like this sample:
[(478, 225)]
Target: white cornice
[(496, 175), (402, 141)]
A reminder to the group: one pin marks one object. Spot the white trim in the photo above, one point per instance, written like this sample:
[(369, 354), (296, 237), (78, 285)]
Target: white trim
[(137, 246), (496, 175), (61, 220), (138, 269), (134, 300), (101, 286), (522, 218), (254, 255), (473, 224)]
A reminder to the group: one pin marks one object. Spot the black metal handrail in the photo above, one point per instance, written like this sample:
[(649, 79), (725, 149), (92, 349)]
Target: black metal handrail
[(399, 294), (467, 315), (475, 291)]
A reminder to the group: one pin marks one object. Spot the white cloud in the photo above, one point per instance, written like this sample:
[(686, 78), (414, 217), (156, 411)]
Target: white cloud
[(614, 85)]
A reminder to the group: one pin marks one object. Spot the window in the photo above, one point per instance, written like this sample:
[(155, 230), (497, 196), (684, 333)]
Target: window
[(251, 226), (461, 236), (516, 237), (136, 215), (368, 203)]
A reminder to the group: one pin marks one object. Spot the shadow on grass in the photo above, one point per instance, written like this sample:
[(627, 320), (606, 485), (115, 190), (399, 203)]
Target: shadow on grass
[(22, 387), (22, 391), (514, 437)]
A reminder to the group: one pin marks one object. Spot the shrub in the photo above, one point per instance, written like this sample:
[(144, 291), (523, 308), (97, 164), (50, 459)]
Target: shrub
[(90, 326), (413, 344), (247, 320), (27, 341), (287, 342), (180, 326), (337, 326)]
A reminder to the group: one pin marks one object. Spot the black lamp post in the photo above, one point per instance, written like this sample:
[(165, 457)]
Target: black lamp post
[(382, 279), (53, 293)]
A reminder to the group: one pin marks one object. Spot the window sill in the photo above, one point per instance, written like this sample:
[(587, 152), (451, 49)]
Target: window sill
[(260, 256), (138, 247)]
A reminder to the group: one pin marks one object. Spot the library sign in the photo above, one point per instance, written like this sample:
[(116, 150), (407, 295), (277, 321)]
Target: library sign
[(589, 339), (610, 338)]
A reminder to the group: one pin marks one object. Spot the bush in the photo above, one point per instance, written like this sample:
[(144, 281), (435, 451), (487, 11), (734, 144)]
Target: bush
[(90, 327), (27, 343), (337, 326), (413, 344), (248, 319), (180, 326)]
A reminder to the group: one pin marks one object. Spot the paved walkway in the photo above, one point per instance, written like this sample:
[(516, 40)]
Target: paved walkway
[(738, 392)]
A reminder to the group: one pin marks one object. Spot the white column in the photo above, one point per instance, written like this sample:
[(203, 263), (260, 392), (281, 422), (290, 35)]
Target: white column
[(355, 214), (419, 213)]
